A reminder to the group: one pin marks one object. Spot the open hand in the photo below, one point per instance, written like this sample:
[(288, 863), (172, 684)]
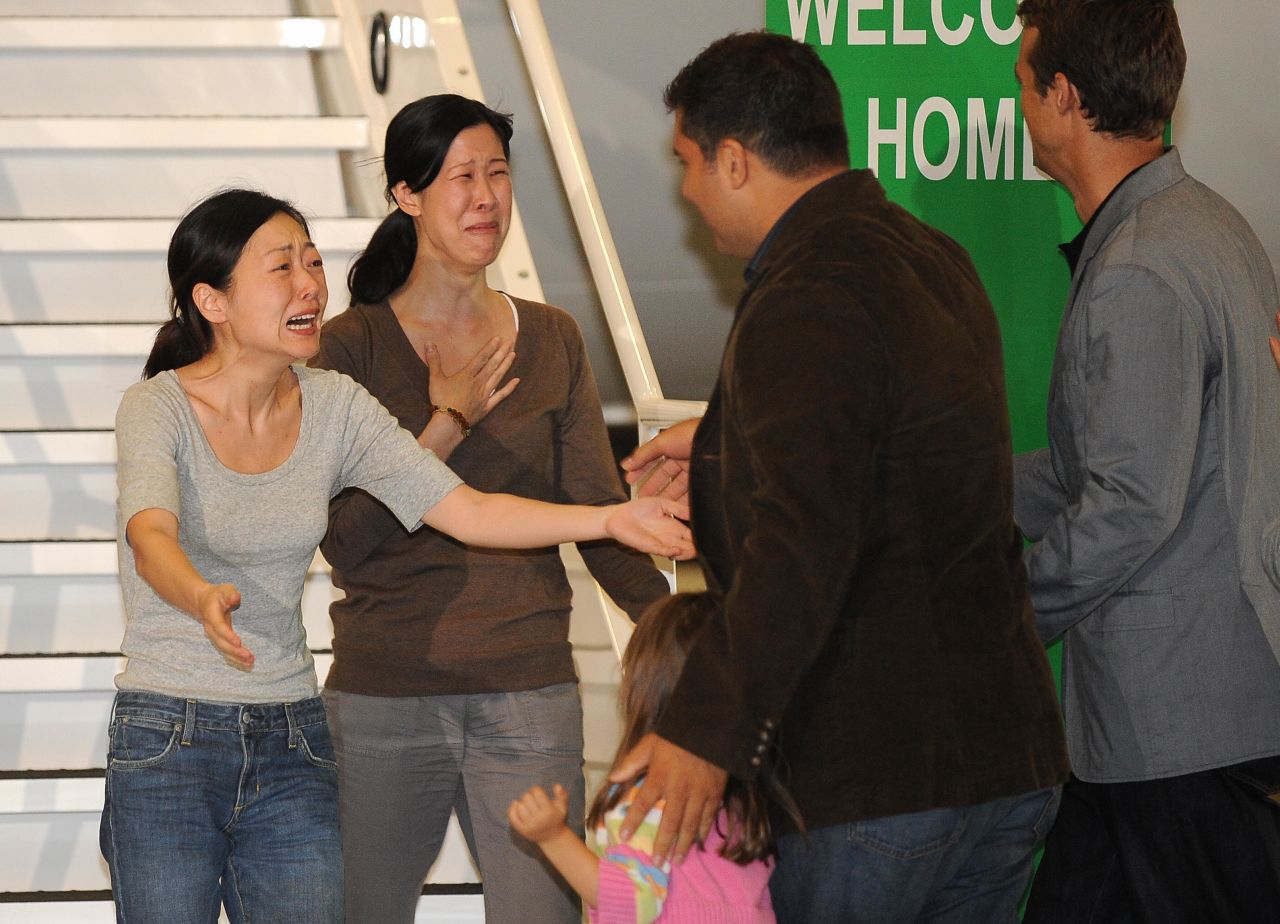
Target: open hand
[(216, 604), (540, 817), (650, 524), (661, 466), (473, 389)]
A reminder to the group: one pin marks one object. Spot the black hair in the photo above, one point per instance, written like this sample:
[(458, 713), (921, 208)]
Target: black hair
[(417, 140), (205, 248), (1125, 57), (767, 91)]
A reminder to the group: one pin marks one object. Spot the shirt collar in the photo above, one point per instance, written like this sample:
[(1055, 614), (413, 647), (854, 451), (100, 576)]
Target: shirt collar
[(1074, 248), (757, 259)]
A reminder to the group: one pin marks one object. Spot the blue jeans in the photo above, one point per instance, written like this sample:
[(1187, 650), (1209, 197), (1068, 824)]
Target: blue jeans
[(212, 804), (405, 762), (969, 864)]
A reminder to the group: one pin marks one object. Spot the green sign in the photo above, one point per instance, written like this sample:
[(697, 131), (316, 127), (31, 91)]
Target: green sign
[(931, 105)]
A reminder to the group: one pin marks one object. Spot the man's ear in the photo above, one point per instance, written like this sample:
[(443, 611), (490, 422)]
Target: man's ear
[(1064, 95), (210, 302), (731, 161), (406, 199)]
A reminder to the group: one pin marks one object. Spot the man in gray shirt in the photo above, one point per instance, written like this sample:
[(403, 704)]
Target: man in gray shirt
[(1148, 508)]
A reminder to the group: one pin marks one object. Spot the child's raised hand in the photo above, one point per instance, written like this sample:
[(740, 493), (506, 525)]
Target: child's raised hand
[(540, 817)]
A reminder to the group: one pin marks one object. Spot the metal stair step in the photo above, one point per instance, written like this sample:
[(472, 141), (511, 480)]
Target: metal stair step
[(58, 447), (72, 557), (51, 791), (149, 235), (168, 133), (56, 33), (64, 614), (100, 340), (80, 673)]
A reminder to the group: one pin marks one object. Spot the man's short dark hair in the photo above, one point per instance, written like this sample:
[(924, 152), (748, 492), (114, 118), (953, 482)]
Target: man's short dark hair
[(771, 93), (1125, 57)]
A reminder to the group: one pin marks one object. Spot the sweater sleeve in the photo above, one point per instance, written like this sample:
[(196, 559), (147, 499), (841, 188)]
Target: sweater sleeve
[(587, 475), (632, 886), (358, 523)]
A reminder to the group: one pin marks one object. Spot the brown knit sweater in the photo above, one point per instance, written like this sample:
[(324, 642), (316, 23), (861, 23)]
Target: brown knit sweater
[(425, 615)]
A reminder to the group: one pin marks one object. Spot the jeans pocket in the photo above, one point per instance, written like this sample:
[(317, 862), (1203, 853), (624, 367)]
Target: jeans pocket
[(367, 726), (1049, 813), (553, 718), (138, 742), (317, 746), (907, 837)]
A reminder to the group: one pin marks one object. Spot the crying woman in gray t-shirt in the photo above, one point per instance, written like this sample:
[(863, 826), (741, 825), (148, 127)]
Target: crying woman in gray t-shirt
[(221, 783)]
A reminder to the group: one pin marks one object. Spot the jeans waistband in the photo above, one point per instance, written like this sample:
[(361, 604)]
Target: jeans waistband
[(250, 717)]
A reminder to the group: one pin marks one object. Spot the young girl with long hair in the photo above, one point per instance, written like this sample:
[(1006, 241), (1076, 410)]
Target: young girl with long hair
[(722, 881)]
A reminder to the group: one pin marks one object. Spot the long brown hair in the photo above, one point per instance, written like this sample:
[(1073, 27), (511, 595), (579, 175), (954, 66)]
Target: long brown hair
[(651, 665)]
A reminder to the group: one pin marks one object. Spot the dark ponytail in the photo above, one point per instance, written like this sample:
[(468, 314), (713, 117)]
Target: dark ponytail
[(385, 263), (205, 248), (417, 140)]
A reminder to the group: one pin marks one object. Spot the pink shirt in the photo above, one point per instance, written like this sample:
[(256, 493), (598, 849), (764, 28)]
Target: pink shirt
[(704, 889)]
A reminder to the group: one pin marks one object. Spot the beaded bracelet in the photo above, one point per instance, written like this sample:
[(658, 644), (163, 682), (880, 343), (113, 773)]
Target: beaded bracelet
[(458, 417)]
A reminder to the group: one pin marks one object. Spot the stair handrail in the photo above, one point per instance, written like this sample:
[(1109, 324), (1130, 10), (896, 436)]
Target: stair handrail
[(584, 202)]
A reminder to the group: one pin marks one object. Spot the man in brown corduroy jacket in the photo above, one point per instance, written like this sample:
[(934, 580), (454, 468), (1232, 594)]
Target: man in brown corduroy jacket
[(851, 493)]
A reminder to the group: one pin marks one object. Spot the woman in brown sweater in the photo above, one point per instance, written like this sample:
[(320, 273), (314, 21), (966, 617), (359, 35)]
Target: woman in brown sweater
[(453, 685)]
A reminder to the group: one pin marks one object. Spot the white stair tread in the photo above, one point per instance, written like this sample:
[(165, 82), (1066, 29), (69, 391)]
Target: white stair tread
[(138, 133), (80, 673), (88, 557), (150, 235), (47, 912), (51, 794), (58, 447), (98, 340), (49, 559), (202, 32), (60, 674)]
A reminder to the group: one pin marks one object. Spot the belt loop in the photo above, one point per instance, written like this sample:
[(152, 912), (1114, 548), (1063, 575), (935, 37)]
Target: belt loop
[(189, 723), (293, 726)]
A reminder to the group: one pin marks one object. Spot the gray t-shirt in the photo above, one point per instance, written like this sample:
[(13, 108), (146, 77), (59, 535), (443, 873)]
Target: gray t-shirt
[(258, 532)]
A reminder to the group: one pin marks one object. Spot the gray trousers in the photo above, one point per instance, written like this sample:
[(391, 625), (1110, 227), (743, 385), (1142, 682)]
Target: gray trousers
[(404, 763)]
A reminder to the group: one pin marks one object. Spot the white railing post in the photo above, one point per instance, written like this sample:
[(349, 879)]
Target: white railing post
[(584, 201)]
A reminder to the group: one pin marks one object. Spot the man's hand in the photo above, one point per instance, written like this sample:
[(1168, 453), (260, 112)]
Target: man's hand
[(661, 466), (1275, 351), (691, 788)]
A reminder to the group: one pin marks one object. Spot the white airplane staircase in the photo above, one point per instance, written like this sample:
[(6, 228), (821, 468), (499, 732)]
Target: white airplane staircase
[(116, 116)]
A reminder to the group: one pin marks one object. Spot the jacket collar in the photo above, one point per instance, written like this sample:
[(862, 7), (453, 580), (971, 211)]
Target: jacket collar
[(1142, 184), (838, 195)]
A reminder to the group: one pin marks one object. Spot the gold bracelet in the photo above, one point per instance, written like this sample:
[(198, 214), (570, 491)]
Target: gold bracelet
[(458, 417)]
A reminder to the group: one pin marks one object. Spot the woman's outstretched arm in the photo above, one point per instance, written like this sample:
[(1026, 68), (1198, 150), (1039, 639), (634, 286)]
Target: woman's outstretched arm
[(503, 521)]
